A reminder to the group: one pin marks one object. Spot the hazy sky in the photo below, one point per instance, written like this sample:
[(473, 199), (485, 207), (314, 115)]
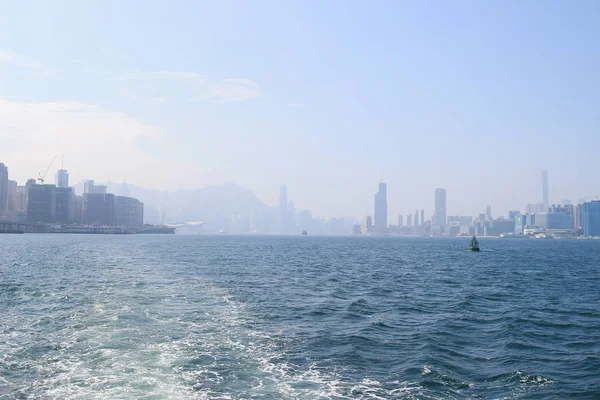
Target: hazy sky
[(329, 97)]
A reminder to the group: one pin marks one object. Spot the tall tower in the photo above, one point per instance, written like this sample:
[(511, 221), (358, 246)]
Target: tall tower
[(3, 189), (422, 217), (283, 202), (440, 207), (62, 178), (417, 218), (545, 190), (381, 209)]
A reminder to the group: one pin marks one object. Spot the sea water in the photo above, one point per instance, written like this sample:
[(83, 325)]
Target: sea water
[(255, 317)]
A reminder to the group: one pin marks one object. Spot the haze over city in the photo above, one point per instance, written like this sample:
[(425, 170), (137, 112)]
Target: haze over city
[(329, 99)]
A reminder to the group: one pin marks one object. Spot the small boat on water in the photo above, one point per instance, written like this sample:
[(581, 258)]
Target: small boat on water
[(474, 245)]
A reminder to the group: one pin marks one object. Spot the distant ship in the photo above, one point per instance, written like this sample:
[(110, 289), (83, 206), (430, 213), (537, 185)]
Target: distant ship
[(88, 229), (304, 233), (474, 245), (159, 229)]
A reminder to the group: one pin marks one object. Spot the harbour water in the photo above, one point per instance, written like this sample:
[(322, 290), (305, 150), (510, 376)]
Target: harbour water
[(245, 317)]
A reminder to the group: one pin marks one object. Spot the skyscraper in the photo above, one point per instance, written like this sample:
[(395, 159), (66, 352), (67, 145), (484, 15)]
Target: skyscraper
[(422, 217), (367, 226), (488, 212), (284, 220), (440, 207), (400, 220), (381, 209), (591, 218), (417, 218), (545, 189), (283, 202), (62, 178), (409, 220), (3, 189)]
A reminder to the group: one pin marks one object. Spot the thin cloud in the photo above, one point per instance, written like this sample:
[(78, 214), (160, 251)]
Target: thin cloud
[(290, 105), (97, 143), (10, 57), (165, 85)]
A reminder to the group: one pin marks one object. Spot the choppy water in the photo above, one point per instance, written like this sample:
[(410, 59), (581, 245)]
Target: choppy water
[(176, 317)]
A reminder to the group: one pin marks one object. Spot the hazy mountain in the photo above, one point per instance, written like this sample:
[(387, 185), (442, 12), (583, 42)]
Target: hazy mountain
[(214, 205)]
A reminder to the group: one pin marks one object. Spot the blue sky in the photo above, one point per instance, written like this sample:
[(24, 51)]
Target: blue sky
[(328, 97)]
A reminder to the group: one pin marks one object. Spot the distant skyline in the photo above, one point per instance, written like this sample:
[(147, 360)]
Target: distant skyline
[(327, 98)]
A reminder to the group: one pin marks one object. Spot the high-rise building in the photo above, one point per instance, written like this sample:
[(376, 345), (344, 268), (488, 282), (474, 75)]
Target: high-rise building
[(98, 208), (512, 215), (283, 202), (409, 220), (90, 187), (65, 205), (488, 212), (545, 201), (381, 209), (400, 220), (12, 196), (440, 207), (367, 226), (287, 223), (21, 199), (422, 217), (535, 208), (578, 217), (62, 178), (417, 218), (41, 203), (128, 212), (3, 190), (591, 218)]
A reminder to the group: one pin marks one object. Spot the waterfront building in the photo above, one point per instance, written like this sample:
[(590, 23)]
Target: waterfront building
[(128, 212), (440, 207), (578, 218), (65, 205), (400, 221), (367, 226), (98, 208), (554, 220), (3, 190), (12, 196), (41, 203), (591, 218)]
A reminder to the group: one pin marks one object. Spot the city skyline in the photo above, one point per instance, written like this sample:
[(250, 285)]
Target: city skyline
[(61, 179), (58, 203)]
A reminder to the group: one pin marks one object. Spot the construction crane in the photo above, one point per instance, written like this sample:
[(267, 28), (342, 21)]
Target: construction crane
[(41, 177)]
